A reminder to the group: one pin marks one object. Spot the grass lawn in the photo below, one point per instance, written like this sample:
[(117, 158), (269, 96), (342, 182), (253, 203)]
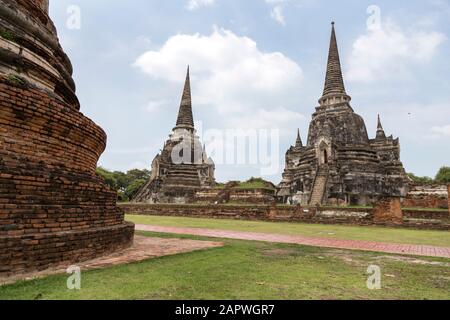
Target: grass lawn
[(394, 235), (252, 270)]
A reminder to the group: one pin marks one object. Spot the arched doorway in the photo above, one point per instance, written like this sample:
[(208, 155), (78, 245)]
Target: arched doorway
[(323, 153), (325, 156)]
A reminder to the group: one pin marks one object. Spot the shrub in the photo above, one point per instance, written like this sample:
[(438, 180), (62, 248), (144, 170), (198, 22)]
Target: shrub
[(443, 176), (420, 180)]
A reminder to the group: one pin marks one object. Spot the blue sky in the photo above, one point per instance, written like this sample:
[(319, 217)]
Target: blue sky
[(258, 64)]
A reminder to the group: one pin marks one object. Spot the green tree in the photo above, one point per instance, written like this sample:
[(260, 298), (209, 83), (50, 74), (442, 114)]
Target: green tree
[(134, 187), (126, 184), (443, 176), (420, 180), (136, 174), (108, 177), (121, 180)]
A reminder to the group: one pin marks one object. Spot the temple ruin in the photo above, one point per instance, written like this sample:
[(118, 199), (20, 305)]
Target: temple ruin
[(54, 209), (340, 164), (183, 167)]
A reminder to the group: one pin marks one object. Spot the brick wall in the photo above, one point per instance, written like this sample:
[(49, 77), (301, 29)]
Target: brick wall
[(335, 215), (252, 196), (43, 4), (427, 196), (235, 195), (389, 211)]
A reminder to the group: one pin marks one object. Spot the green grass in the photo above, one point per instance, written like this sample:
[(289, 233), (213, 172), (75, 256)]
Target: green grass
[(426, 209), (380, 234), (250, 270)]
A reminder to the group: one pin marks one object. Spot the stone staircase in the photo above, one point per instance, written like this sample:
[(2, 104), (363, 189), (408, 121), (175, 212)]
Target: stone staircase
[(185, 176), (320, 184)]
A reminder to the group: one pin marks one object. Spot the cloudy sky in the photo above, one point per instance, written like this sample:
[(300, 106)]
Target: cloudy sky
[(258, 64)]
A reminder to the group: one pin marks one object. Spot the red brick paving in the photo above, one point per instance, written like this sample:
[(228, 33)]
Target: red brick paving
[(406, 249)]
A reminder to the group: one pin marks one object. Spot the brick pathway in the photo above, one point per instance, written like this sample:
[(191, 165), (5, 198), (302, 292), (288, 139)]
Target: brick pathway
[(406, 249)]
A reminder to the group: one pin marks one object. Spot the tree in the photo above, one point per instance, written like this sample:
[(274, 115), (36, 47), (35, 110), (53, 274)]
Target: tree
[(420, 180), (443, 176), (126, 184), (121, 180), (108, 177), (136, 174), (134, 187)]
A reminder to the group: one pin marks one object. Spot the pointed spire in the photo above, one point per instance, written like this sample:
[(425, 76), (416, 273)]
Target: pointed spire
[(185, 117), (379, 126), (298, 143), (334, 82), (380, 131)]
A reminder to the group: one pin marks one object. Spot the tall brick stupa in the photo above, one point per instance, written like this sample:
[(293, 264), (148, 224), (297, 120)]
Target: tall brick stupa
[(54, 209), (340, 164), (183, 167)]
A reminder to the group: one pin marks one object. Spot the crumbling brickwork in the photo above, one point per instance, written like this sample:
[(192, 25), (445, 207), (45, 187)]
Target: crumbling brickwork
[(339, 164), (432, 220), (235, 195), (183, 167), (427, 196), (448, 196), (388, 211), (54, 209)]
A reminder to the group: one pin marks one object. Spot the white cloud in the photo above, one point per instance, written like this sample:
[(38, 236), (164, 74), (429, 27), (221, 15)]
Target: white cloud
[(230, 74), (270, 118), (196, 4), (274, 2), (442, 131), (155, 106), (277, 11), (277, 15), (387, 52)]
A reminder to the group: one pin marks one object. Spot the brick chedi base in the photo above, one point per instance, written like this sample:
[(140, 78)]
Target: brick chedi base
[(448, 198), (388, 210), (54, 210)]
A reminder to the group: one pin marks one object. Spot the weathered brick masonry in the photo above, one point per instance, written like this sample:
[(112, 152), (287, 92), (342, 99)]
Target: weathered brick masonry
[(327, 215), (53, 208), (427, 196)]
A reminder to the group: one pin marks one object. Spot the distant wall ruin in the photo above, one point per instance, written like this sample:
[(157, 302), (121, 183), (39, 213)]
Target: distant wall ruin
[(436, 220), (427, 196)]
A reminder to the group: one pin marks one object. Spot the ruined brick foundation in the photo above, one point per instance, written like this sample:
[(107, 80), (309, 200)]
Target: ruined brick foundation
[(427, 196), (384, 214), (54, 210)]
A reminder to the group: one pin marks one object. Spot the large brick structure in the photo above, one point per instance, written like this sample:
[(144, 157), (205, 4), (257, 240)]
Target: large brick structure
[(53, 207), (183, 167), (387, 213), (339, 164)]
